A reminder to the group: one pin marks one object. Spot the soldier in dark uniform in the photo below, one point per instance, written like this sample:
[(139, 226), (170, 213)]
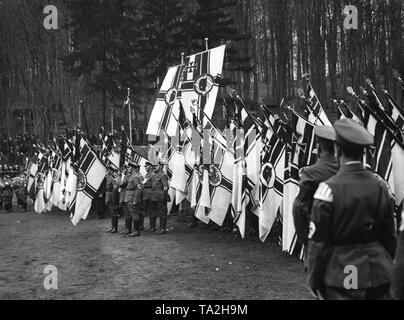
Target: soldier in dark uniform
[(352, 230), (123, 203), (397, 284), (99, 205), (147, 187), (8, 196), (159, 196), (134, 198), (311, 177), (108, 191), (112, 198)]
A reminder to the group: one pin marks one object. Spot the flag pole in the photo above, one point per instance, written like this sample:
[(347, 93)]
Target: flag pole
[(130, 117), (80, 103), (112, 120)]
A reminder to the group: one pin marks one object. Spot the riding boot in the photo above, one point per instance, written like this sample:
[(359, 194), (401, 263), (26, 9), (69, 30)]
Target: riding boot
[(136, 227), (115, 220), (141, 222), (163, 225), (128, 224), (152, 224)]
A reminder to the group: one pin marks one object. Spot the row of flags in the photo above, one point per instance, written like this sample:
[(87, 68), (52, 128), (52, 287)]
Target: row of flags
[(251, 167), (68, 173)]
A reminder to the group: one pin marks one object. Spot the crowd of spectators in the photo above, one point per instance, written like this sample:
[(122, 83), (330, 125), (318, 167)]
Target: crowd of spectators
[(14, 151)]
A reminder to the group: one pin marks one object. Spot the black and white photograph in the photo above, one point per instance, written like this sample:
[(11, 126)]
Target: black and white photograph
[(200, 155)]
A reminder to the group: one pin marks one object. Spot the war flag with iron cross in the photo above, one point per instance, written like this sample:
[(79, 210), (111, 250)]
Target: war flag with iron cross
[(271, 182), (221, 187), (166, 108), (298, 155), (317, 114), (198, 81), (90, 174)]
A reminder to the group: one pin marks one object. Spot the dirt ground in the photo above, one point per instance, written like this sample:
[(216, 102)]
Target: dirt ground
[(183, 264)]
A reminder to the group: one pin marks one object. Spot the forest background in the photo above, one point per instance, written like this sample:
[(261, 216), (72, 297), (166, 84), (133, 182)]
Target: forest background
[(103, 47)]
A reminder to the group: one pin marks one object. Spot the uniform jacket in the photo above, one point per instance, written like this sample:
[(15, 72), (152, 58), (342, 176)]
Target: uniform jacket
[(123, 184), (310, 178), (7, 194), (397, 283), (147, 186), (352, 224), (115, 197), (134, 188), (159, 190)]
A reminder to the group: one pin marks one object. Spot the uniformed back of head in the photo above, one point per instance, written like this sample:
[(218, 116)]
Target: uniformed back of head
[(352, 138), (325, 137)]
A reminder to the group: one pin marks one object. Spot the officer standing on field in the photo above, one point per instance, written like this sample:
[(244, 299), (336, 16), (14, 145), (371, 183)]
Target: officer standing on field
[(159, 196), (134, 198), (113, 183), (122, 201), (147, 187), (311, 177), (8, 196), (352, 230)]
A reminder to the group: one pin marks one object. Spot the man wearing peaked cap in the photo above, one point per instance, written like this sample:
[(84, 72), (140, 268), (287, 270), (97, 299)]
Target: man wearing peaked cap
[(160, 197), (352, 231), (147, 187), (311, 177), (133, 198)]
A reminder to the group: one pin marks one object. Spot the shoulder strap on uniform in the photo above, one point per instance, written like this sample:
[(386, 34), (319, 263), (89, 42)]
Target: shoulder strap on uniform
[(386, 184), (324, 193)]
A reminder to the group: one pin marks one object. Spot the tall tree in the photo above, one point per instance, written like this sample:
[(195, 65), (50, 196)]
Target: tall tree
[(102, 50)]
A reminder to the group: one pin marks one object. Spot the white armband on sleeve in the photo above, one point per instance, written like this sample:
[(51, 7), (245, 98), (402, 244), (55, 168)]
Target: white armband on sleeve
[(324, 193)]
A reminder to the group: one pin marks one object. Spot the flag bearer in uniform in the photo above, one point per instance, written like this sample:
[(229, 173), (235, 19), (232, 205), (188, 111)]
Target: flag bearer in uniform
[(108, 190), (352, 230), (159, 197), (311, 177), (134, 198), (147, 186), (122, 201), (113, 201)]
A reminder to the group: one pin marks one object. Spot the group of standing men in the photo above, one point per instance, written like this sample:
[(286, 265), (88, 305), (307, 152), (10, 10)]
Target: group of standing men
[(135, 196), (344, 215), (10, 187)]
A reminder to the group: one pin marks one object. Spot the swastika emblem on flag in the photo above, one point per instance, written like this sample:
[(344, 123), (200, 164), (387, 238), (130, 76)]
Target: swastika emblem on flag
[(81, 180), (204, 84), (268, 175), (55, 175), (215, 176), (170, 96)]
